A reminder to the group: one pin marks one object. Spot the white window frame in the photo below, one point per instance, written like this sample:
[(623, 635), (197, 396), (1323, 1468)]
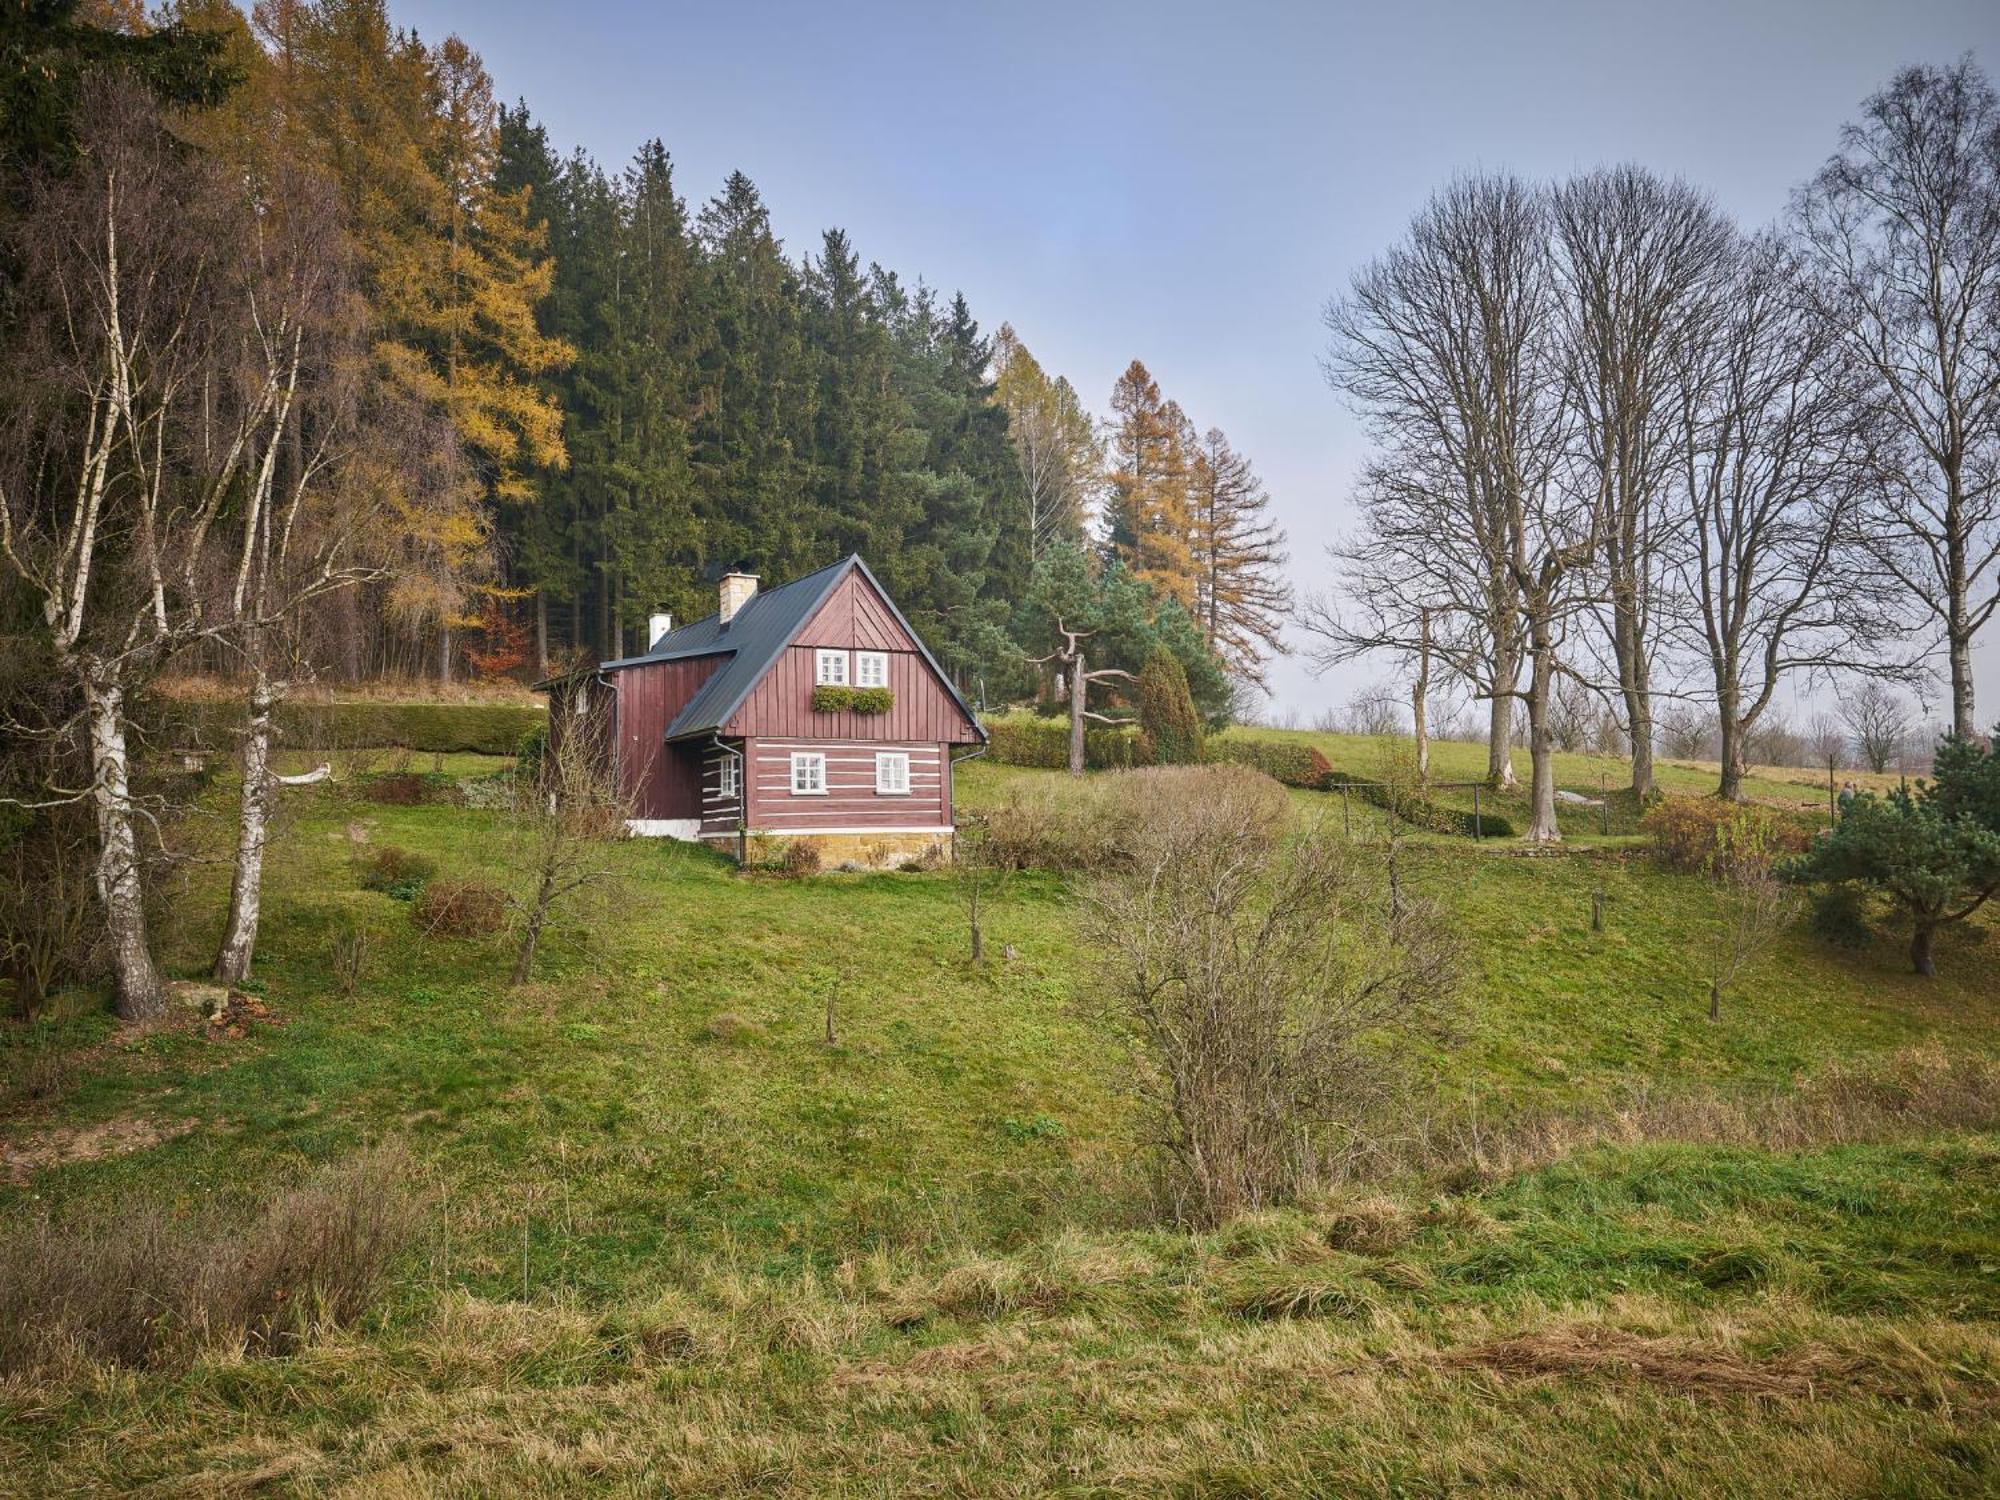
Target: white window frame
[(813, 764), (730, 782), (885, 786), (863, 660), (830, 668)]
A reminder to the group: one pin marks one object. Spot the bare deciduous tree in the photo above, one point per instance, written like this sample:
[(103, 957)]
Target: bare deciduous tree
[(1079, 676), (1879, 720), (1261, 977), (1638, 259), (1444, 346), (1903, 225), (1772, 576), (108, 511)]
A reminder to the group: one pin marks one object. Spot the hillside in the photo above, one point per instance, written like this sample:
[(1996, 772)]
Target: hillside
[(672, 1238)]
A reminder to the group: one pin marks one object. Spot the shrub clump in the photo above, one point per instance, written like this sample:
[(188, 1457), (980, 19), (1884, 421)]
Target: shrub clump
[(1689, 833), (1840, 916), (1167, 720), (459, 908), (411, 789), (1288, 762), (396, 872), (1044, 745), (149, 1285)]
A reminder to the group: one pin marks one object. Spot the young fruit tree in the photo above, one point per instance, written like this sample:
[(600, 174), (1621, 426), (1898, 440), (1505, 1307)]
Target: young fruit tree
[(1753, 905), (568, 811)]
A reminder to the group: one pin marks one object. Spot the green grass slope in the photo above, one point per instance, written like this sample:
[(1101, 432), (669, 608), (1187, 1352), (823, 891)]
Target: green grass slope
[(683, 1244)]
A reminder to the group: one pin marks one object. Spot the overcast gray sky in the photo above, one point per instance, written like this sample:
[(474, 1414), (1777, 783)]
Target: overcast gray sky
[(1187, 184)]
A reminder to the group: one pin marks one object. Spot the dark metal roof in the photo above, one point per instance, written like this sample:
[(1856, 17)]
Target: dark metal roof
[(755, 638)]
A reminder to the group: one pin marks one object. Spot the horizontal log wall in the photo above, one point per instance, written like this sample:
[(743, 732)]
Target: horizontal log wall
[(850, 800)]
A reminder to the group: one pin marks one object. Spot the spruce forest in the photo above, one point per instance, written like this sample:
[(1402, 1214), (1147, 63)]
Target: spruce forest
[(623, 388)]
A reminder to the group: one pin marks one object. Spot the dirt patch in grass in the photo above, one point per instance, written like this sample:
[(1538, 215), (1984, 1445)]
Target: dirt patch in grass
[(1685, 1364), (20, 1159)]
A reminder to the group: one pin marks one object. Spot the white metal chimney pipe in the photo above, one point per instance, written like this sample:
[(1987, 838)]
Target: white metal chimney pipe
[(656, 626)]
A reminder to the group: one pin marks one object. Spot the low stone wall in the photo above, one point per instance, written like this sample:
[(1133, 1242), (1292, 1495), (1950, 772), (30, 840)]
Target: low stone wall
[(839, 851)]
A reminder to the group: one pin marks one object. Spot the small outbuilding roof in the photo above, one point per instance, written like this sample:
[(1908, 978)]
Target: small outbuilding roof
[(754, 638)]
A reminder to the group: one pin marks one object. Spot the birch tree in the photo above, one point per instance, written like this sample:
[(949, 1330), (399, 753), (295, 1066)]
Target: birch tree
[(118, 292), (1903, 226)]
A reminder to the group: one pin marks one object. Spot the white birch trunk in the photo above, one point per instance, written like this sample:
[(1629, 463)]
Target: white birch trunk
[(139, 992), (246, 889)]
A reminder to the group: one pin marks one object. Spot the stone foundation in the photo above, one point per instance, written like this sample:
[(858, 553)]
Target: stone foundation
[(860, 851)]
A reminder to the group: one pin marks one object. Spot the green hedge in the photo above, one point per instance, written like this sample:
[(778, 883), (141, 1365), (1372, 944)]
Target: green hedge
[(1044, 743), (1424, 813), (483, 728), (1285, 761)]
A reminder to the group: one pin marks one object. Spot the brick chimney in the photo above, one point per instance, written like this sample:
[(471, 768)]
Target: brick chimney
[(738, 589)]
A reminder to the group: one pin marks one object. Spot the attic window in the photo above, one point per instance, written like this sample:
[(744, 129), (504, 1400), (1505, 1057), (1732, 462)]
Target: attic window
[(832, 669), (871, 669)]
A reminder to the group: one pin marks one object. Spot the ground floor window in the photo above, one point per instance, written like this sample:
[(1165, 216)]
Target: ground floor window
[(892, 773), (808, 774), (731, 782)]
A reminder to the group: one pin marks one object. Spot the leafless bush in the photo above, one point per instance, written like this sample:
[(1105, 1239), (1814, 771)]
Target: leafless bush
[(46, 915), (459, 908), (1088, 827), (1686, 732), (1260, 975), (149, 1285), (1573, 712), (350, 956)]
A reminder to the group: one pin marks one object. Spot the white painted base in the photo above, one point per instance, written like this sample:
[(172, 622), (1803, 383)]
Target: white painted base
[(685, 829)]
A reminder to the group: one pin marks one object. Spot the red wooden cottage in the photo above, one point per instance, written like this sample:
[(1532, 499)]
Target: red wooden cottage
[(811, 709)]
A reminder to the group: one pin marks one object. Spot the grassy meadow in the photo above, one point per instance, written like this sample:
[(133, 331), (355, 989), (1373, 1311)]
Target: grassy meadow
[(764, 1188)]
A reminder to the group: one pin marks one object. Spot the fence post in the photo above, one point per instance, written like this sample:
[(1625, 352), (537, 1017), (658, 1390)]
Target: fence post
[(1346, 827), (1478, 828), (1604, 805)]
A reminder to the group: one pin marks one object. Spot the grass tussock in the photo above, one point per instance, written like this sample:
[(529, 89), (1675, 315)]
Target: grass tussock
[(459, 908), (145, 1285)]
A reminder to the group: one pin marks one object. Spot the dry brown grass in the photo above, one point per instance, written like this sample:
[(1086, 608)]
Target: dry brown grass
[(1912, 1092), (145, 1284), (459, 908)]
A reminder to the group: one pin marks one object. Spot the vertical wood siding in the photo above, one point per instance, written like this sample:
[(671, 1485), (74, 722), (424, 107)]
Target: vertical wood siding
[(853, 618), (663, 782)]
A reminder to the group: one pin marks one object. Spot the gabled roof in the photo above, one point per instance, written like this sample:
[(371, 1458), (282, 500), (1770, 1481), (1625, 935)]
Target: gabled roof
[(754, 640)]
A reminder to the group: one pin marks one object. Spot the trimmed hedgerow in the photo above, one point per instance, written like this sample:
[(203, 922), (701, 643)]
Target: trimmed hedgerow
[(1044, 744), (447, 728), (831, 698), (1285, 761)]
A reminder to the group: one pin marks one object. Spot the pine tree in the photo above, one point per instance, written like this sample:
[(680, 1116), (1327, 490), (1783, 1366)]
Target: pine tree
[(1240, 597)]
